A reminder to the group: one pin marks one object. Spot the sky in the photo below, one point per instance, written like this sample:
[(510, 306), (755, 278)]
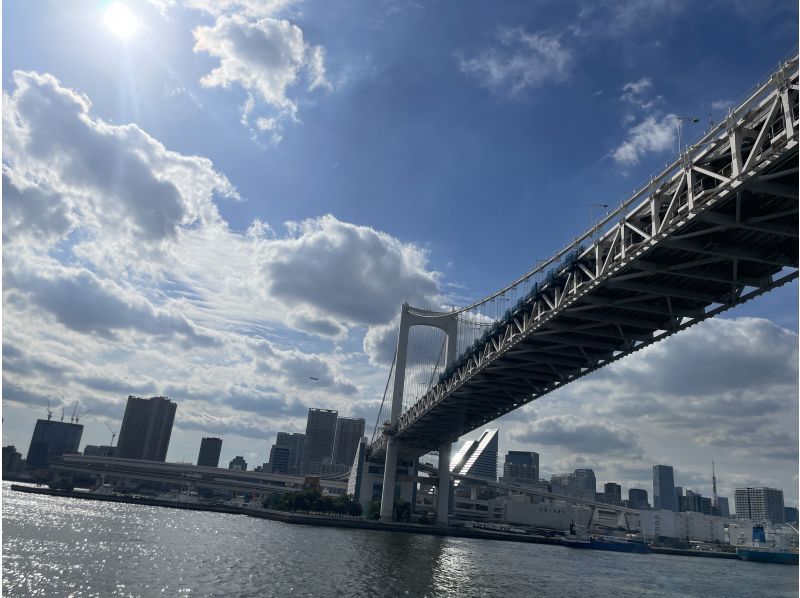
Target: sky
[(227, 201)]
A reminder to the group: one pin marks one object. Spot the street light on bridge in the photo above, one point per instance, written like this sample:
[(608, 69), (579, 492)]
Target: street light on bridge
[(680, 120)]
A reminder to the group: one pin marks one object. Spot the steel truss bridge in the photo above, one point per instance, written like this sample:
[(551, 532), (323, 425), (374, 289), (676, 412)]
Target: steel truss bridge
[(717, 227)]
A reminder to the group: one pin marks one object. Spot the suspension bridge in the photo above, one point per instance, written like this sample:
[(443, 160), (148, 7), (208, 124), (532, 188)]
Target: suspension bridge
[(717, 227)]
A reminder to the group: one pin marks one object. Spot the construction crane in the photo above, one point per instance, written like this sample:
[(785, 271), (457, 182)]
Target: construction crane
[(77, 417), (113, 433), (49, 411), (62, 413), (74, 410)]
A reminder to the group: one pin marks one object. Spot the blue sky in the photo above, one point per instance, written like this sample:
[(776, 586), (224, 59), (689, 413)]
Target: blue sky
[(241, 195)]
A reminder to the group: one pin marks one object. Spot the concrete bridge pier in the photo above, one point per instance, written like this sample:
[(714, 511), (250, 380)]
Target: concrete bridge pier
[(443, 490)]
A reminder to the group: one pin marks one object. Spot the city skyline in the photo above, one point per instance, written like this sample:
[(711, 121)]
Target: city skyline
[(225, 267)]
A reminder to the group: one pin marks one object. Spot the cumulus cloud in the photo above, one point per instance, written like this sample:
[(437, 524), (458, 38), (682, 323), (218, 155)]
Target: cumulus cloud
[(519, 61), (117, 180), (351, 272), (263, 55), (575, 434), (651, 135)]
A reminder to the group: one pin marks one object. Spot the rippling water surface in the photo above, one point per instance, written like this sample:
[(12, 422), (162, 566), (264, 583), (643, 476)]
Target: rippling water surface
[(68, 547)]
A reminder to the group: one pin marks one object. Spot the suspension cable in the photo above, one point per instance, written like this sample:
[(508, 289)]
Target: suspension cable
[(386, 388)]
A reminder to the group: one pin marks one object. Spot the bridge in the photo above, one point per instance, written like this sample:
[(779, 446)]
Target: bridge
[(717, 227)]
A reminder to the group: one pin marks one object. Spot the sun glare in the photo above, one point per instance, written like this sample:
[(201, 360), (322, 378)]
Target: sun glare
[(120, 20)]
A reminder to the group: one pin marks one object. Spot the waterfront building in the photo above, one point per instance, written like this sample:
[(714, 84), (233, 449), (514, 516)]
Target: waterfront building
[(585, 479), (279, 459), (694, 502), (319, 440), (521, 466), (664, 488), (146, 428), (210, 449), (12, 459), (238, 464), (478, 458), (349, 432), (52, 439), (294, 442), (612, 493), (723, 508), (637, 499), (790, 514), (759, 504), (678, 499)]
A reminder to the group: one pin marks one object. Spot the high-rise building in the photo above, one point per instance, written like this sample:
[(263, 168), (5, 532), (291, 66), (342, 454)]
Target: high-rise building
[(294, 442), (790, 514), (320, 436), (478, 458), (349, 431), (210, 449), (238, 463), (585, 479), (637, 498), (146, 428), (759, 504), (612, 493), (679, 498), (12, 459), (723, 506), (664, 488), (521, 466), (566, 480), (279, 459), (694, 502), (52, 439)]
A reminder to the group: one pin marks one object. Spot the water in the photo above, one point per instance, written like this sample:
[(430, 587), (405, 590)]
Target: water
[(68, 547)]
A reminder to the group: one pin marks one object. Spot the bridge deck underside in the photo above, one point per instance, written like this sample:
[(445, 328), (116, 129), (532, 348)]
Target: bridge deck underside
[(742, 247)]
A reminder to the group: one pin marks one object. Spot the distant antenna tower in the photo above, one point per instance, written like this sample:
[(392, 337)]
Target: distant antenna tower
[(714, 486)]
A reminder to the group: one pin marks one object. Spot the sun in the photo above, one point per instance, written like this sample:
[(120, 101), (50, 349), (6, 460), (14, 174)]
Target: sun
[(120, 20)]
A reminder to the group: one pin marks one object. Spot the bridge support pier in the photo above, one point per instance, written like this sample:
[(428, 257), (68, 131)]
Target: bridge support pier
[(443, 491)]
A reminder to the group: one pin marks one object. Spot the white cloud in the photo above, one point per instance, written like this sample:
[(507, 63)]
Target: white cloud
[(265, 56), (634, 90), (721, 104), (651, 135), (521, 61), (117, 180)]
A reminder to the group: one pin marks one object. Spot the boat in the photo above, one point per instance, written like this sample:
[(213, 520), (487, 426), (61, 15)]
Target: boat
[(611, 544), (760, 551)]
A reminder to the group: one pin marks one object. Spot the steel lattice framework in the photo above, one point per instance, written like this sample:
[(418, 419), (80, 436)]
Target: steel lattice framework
[(716, 228)]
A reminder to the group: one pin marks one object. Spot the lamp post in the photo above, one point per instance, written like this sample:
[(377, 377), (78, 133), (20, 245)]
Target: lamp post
[(592, 206), (680, 120)]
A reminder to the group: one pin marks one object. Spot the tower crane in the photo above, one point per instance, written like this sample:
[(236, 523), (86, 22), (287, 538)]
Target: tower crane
[(113, 433), (49, 411), (77, 417)]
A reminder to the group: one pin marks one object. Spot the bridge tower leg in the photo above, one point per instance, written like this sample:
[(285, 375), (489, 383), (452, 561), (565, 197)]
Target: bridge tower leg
[(449, 324), (443, 491)]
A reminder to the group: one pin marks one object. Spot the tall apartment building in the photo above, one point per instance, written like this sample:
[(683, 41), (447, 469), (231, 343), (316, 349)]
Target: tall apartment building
[(585, 479), (349, 432), (637, 498), (52, 439), (521, 466), (210, 449), (759, 504), (146, 428), (279, 459), (238, 464), (320, 437), (612, 493), (664, 497), (294, 442)]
